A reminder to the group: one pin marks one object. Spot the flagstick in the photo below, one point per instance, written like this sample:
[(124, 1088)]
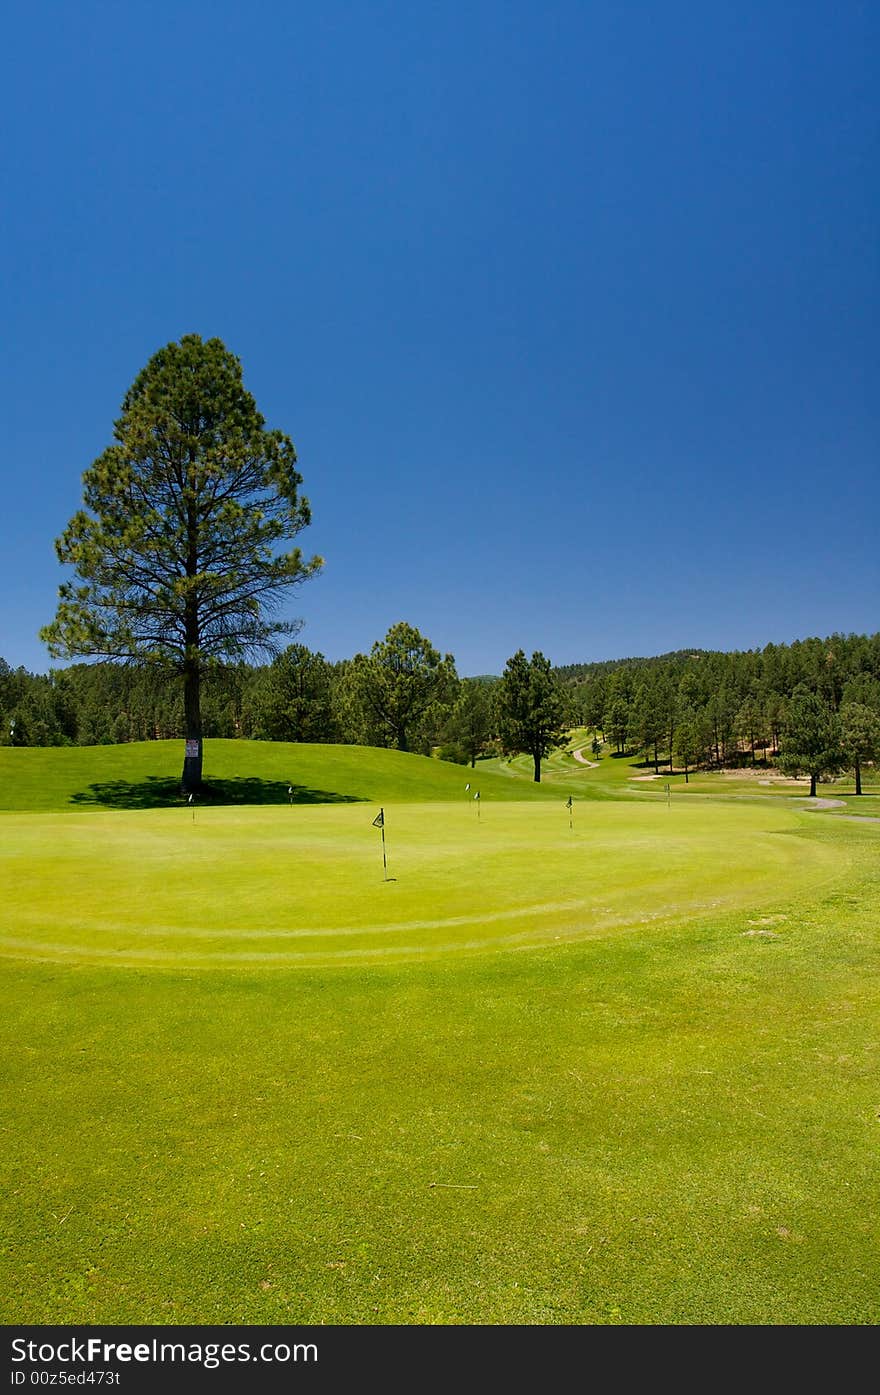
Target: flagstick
[(379, 822)]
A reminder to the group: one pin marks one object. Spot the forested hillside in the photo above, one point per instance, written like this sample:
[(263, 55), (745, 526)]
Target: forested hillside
[(692, 707)]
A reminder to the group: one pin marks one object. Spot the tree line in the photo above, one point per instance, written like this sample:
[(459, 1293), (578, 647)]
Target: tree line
[(403, 694), (812, 707)]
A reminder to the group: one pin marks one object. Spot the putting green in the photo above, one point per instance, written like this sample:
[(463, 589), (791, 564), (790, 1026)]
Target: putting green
[(289, 886)]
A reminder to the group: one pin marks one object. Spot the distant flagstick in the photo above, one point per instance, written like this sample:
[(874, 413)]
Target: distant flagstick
[(569, 804), (477, 798), (379, 822), (191, 801)]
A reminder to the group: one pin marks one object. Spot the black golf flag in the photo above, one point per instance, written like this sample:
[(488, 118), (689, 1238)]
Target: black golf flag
[(379, 820), (569, 802)]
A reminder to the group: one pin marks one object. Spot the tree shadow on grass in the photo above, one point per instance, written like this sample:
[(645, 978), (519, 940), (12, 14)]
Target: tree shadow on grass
[(157, 792)]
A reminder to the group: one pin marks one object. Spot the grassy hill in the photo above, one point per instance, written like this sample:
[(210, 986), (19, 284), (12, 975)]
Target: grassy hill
[(147, 775)]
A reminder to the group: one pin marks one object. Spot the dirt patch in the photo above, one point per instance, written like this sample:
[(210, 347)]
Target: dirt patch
[(765, 777)]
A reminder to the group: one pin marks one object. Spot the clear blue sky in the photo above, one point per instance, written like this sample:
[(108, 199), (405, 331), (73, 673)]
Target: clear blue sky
[(571, 309)]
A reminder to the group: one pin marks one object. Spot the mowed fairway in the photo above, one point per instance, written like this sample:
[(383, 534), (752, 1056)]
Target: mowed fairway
[(625, 1073), (307, 886)]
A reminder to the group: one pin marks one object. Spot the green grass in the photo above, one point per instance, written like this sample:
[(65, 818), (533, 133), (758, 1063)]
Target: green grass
[(607, 777), (147, 774), (620, 1074), (306, 886)]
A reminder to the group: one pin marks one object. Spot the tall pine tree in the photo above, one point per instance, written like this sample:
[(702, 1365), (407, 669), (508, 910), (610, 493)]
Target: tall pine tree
[(529, 708), (182, 549)]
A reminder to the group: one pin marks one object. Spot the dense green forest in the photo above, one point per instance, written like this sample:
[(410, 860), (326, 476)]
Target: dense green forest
[(813, 704)]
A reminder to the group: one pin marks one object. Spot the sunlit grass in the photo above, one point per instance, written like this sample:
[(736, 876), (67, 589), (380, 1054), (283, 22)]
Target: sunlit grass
[(619, 1072)]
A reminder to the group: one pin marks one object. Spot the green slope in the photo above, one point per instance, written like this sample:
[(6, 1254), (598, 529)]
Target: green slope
[(146, 775)]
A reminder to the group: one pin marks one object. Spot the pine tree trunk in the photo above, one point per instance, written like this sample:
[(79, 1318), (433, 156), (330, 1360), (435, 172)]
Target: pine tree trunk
[(192, 761), (858, 778), (812, 785), (537, 760), (192, 668)]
